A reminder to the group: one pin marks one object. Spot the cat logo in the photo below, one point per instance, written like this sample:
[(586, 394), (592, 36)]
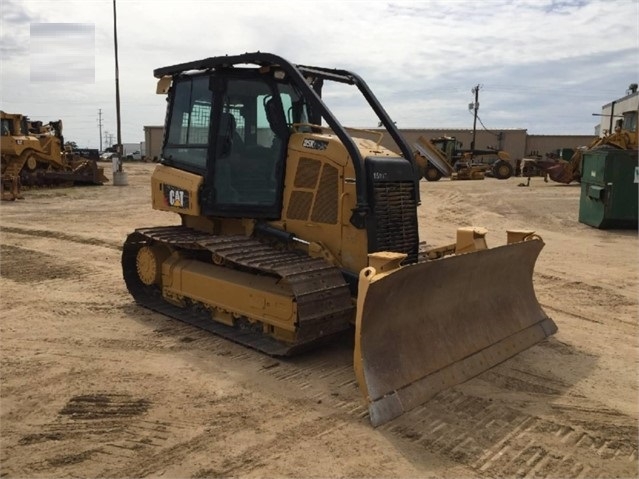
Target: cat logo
[(176, 197)]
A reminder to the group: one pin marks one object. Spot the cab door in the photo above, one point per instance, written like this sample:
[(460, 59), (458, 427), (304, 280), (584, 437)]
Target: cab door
[(248, 147)]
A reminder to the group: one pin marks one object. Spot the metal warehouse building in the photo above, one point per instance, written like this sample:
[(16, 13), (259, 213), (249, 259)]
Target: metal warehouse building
[(516, 142)]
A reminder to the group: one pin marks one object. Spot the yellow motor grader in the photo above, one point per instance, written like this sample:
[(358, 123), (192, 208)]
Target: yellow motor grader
[(443, 157), (33, 155), (295, 229)]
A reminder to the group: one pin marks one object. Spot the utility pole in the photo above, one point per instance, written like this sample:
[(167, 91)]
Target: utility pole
[(117, 88), (119, 177), (100, 126), (475, 90)]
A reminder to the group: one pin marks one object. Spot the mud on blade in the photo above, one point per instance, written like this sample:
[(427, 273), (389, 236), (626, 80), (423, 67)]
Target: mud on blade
[(425, 327)]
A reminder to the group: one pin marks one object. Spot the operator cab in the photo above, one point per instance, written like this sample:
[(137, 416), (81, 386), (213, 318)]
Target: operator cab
[(232, 126)]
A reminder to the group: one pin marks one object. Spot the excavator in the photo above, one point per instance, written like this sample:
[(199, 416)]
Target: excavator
[(296, 230), (568, 171), (33, 155)]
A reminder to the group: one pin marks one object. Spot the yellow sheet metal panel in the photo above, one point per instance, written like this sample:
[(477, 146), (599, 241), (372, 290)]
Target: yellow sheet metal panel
[(260, 298), (322, 196), (175, 190)]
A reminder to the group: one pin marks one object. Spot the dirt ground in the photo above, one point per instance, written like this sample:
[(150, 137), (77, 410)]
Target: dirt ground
[(94, 386)]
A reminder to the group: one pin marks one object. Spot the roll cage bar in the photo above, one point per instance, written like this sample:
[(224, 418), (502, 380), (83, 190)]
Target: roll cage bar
[(312, 93)]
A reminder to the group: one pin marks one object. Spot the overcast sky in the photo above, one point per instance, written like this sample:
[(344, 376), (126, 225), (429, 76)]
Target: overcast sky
[(543, 65)]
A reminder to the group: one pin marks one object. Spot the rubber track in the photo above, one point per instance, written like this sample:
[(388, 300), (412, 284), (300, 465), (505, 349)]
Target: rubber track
[(323, 299)]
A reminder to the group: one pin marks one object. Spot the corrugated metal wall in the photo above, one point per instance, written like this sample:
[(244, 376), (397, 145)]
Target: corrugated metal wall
[(516, 142)]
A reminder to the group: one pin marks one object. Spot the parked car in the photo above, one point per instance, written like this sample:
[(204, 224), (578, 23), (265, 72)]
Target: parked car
[(136, 155), (107, 156)]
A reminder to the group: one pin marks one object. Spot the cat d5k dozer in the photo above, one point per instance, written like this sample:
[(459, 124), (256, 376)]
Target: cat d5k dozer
[(292, 231)]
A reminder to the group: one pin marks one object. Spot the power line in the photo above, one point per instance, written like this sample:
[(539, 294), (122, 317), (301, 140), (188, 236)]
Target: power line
[(484, 126), (100, 125)]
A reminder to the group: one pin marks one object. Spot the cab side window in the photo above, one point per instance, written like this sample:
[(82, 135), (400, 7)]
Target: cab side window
[(187, 139)]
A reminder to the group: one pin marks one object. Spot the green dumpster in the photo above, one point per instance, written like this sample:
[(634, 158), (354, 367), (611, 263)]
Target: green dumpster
[(609, 194)]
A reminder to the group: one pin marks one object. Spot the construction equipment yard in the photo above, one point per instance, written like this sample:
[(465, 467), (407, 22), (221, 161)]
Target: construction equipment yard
[(94, 385)]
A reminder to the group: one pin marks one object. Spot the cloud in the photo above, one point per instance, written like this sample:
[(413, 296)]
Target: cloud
[(544, 65), (14, 22), (15, 13)]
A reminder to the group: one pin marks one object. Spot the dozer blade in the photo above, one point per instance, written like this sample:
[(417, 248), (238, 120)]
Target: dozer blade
[(426, 327)]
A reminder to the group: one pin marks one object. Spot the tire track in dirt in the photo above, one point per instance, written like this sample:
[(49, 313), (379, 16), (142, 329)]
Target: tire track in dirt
[(28, 266), (287, 428), (231, 460), (111, 443), (493, 437), (497, 440), (147, 454), (261, 449), (591, 300), (62, 236), (488, 435), (93, 419)]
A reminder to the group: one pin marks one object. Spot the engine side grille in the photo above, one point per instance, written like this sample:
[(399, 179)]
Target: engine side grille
[(325, 207), (395, 218), (307, 173), (299, 207)]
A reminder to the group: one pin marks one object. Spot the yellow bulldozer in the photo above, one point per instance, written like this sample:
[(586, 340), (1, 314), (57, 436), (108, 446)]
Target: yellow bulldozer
[(295, 229), (33, 155)]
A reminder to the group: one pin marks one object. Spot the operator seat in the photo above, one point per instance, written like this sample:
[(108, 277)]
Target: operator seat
[(228, 174), (281, 132), (276, 120), (229, 141)]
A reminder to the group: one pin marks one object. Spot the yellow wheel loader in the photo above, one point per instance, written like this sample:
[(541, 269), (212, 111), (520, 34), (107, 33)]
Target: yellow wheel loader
[(569, 171), (295, 228)]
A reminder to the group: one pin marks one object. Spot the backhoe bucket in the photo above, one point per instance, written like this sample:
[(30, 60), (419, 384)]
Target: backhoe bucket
[(426, 327)]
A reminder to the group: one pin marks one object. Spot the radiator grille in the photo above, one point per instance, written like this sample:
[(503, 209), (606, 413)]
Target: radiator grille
[(325, 207), (395, 213)]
